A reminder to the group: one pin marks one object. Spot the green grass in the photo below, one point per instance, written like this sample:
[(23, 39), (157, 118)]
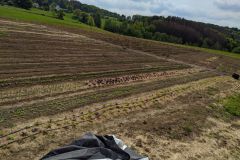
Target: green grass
[(2, 33), (225, 53), (232, 105), (1, 119), (45, 17), (40, 16), (212, 51), (188, 128), (10, 137)]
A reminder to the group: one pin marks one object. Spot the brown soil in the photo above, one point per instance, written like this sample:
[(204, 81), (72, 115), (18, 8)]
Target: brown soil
[(154, 123), (217, 62), (58, 83), (56, 54)]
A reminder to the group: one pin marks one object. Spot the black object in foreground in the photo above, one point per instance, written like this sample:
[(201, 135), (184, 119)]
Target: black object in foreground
[(236, 76), (93, 147)]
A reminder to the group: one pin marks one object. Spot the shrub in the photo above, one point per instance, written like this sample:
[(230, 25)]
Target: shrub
[(60, 14), (236, 50)]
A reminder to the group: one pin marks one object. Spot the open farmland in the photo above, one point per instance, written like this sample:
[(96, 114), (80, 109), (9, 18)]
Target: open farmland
[(223, 62), (164, 101)]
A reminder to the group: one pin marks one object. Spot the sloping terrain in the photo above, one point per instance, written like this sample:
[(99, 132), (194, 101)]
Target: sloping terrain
[(216, 61), (163, 101)]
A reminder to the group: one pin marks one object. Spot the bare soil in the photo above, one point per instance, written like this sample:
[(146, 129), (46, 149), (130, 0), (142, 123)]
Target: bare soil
[(220, 63)]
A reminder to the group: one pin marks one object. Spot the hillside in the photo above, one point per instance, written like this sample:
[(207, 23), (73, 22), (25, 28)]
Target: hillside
[(168, 29), (61, 78), (45, 17)]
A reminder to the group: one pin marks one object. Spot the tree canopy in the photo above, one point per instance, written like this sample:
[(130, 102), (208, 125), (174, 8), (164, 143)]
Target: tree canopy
[(26, 4)]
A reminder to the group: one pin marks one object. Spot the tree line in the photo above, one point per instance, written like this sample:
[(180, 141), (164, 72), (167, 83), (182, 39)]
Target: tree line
[(168, 29), (26, 4), (177, 30)]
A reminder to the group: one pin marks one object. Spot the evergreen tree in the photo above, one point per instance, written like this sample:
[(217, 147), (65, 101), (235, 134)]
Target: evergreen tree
[(97, 20), (26, 4), (84, 17), (205, 43)]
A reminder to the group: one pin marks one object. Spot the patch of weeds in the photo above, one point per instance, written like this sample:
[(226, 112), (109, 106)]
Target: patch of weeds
[(10, 137), (3, 34), (188, 129), (1, 133), (218, 111), (224, 68), (212, 91), (19, 112), (232, 105), (2, 119)]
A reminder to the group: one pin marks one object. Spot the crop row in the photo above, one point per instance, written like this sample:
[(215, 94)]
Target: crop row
[(39, 92), (9, 116), (16, 82), (106, 111)]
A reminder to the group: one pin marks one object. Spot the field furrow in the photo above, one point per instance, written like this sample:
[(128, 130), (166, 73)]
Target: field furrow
[(58, 83)]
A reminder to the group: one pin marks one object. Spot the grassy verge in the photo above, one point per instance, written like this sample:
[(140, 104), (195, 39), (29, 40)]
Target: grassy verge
[(40, 16), (224, 53), (232, 105), (212, 51)]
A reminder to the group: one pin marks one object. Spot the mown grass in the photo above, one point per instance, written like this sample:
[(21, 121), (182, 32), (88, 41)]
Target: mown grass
[(45, 17), (232, 105)]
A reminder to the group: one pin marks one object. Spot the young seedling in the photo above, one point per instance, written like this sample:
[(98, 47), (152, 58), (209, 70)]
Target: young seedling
[(10, 137), (1, 133)]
